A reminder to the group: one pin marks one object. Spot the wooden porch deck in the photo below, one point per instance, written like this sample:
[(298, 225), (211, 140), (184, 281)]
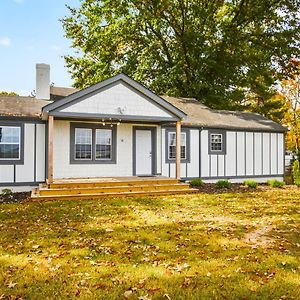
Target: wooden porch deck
[(103, 187)]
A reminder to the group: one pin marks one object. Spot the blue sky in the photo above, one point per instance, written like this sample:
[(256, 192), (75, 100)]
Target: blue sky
[(30, 33)]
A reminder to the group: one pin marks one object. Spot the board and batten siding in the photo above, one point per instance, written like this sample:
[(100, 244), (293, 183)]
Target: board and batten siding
[(258, 155), (32, 172), (63, 168)]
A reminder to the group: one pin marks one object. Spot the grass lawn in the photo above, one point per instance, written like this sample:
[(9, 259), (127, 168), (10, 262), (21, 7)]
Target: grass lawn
[(201, 246)]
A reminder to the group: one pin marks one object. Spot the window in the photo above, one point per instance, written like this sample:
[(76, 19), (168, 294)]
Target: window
[(92, 143), (103, 144), (10, 143), (217, 141), (83, 143), (172, 146)]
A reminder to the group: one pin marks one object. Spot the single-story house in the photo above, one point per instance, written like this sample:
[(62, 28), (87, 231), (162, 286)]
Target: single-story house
[(118, 127)]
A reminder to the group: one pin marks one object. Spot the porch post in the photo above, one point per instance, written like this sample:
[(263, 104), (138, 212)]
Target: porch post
[(50, 149), (178, 156)]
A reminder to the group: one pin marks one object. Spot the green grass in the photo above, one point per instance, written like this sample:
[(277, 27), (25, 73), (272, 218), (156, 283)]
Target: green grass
[(201, 246)]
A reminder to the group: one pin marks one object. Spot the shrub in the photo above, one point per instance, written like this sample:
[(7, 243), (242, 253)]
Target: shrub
[(196, 182), (275, 183), (6, 192), (223, 184), (296, 171), (297, 183), (251, 183)]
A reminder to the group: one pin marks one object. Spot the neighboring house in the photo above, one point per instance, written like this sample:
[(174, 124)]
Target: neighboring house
[(120, 128)]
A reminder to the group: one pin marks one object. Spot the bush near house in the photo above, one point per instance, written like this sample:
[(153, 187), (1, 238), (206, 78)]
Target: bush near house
[(275, 183), (224, 183), (251, 183), (196, 182)]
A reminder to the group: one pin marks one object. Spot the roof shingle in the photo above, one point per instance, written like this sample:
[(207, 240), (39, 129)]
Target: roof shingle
[(200, 115)]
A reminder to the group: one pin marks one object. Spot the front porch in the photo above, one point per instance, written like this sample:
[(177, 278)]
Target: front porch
[(104, 187)]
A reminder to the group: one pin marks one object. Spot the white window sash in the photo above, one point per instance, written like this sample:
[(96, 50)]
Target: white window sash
[(183, 144), (110, 144), (13, 143), (211, 142), (91, 143)]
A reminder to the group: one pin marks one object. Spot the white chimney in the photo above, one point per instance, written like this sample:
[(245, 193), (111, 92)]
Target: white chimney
[(43, 81)]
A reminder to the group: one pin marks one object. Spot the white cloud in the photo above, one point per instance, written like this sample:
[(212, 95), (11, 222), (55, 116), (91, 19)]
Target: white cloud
[(5, 41), (55, 48)]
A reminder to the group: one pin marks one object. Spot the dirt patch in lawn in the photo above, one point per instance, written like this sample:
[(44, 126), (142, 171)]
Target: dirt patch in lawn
[(15, 197), (258, 238)]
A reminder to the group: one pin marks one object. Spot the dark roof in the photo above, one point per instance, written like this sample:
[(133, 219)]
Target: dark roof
[(58, 92), (200, 115), (197, 113), (18, 106)]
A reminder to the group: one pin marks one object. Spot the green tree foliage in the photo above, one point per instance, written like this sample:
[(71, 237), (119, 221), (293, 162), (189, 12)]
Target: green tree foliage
[(296, 171), (217, 51)]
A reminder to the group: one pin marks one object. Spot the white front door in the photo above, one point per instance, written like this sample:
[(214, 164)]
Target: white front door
[(143, 150)]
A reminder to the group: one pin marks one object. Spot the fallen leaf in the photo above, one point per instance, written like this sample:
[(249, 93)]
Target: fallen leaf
[(11, 285), (144, 297), (128, 293)]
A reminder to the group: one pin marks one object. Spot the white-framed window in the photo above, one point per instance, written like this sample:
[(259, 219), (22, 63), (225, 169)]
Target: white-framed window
[(83, 144), (216, 142), (10, 143), (103, 144), (172, 145)]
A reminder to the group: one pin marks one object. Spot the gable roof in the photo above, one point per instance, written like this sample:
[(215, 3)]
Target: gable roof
[(202, 116), (120, 77)]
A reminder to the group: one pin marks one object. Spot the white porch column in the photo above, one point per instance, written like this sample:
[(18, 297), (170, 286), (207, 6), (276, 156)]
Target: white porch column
[(50, 149), (178, 143)]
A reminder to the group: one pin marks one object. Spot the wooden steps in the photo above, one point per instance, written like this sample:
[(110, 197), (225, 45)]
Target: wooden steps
[(93, 189)]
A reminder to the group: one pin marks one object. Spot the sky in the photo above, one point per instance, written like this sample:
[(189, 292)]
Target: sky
[(30, 33)]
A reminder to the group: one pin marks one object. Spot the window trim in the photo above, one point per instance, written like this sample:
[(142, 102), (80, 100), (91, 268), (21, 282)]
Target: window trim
[(20, 160), (223, 134), (93, 127), (187, 152)]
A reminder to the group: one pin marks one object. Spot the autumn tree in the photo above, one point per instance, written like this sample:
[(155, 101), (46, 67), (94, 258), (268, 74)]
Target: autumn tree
[(215, 51), (3, 93), (290, 91)]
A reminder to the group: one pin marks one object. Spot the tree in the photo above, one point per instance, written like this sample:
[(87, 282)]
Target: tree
[(213, 50), (290, 91), (3, 93)]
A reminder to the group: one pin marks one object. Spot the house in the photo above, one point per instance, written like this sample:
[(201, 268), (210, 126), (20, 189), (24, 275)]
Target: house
[(120, 128)]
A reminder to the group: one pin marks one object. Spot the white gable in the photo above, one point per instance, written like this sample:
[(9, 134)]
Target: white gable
[(118, 99)]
